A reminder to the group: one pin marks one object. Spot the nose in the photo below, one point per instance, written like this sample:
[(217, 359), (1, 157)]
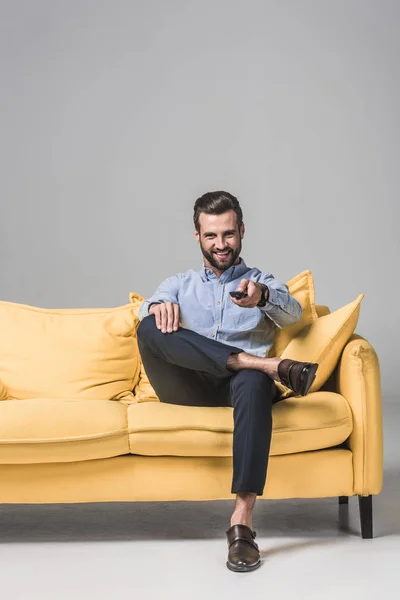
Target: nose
[(220, 245)]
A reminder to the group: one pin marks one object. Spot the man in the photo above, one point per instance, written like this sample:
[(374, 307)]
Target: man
[(202, 347)]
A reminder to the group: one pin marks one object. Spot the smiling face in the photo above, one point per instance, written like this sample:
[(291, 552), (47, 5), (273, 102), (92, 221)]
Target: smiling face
[(220, 240)]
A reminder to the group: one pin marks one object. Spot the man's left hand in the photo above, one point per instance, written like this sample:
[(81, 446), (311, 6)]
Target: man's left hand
[(254, 293)]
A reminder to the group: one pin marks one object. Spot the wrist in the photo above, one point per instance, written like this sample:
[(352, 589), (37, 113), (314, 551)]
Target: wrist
[(150, 306), (264, 295)]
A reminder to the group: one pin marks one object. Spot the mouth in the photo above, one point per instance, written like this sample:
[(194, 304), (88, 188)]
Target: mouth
[(222, 256)]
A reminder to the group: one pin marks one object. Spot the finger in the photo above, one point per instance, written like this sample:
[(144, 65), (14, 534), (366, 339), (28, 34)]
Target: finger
[(252, 290), (245, 301), (163, 317), (157, 313), (176, 316), (241, 302), (170, 317), (243, 285)]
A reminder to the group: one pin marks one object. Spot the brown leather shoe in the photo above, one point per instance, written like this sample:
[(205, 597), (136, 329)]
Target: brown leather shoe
[(243, 553), (298, 376)]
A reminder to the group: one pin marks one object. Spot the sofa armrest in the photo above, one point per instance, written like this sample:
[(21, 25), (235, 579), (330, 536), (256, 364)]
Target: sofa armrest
[(358, 380), (322, 310)]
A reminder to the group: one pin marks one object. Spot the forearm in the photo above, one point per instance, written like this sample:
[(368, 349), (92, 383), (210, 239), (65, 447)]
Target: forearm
[(281, 307)]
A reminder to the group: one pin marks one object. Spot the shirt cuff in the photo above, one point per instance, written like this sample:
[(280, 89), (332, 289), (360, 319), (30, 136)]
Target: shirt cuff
[(271, 303), (144, 308)]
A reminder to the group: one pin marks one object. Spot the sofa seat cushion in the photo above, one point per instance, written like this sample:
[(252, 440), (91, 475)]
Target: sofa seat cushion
[(47, 431), (319, 420)]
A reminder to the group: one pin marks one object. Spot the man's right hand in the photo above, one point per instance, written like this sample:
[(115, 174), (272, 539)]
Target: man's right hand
[(167, 316)]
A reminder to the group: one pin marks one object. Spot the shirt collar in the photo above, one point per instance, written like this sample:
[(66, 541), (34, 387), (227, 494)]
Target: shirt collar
[(233, 272)]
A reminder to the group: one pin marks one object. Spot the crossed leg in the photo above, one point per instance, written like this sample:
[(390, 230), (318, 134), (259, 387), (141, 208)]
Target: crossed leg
[(187, 368)]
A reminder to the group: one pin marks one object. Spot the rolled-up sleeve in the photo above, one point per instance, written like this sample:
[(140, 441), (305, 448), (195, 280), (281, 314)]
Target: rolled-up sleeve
[(281, 307), (167, 291)]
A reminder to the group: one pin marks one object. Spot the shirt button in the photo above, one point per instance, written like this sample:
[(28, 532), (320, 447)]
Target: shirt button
[(218, 302), (220, 283), (213, 335)]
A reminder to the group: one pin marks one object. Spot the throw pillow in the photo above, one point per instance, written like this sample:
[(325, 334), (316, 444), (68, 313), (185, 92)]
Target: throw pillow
[(300, 287), (322, 342), (144, 391)]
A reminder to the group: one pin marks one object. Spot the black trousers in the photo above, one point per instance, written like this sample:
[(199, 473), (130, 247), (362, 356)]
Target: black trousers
[(187, 368)]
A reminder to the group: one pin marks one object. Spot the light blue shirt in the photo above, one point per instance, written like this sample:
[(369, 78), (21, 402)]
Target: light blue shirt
[(206, 307)]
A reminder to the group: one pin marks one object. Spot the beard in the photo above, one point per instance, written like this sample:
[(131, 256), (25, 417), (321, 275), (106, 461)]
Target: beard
[(222, 264)]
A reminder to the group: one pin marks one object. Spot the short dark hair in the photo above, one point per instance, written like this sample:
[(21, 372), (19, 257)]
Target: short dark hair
[(216, 203)]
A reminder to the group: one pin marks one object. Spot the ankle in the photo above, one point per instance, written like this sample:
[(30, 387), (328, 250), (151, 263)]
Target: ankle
[(271, 367), (242, 519)]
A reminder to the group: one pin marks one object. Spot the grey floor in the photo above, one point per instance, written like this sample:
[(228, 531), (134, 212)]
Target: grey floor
[(310, 548)]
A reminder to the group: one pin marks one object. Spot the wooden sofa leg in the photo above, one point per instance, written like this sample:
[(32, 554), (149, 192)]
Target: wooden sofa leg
[(343, 499), (365, 505)]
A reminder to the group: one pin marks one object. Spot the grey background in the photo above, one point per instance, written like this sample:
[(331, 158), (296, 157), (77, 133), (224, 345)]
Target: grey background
[(116, 115)]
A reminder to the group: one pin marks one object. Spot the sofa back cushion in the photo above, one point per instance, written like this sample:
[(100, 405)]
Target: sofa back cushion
[(68, 353), (144, 391), (3, 391), (300, 287)]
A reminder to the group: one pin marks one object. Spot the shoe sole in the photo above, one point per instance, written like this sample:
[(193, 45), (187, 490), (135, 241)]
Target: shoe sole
[(242, 569), (310, 380)]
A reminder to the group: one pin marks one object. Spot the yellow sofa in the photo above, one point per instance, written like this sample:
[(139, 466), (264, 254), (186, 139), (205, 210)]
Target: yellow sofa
[(73, 428)]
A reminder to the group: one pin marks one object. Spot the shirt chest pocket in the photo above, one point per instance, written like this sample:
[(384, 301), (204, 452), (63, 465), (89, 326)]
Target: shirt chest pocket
[(198, 317), (238, 318)]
